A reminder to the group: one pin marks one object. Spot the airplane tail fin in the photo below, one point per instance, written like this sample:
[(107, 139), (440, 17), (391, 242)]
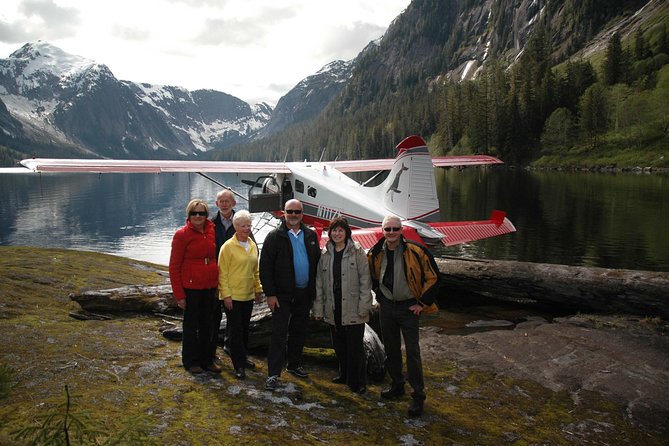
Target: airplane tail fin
[(409, 191)]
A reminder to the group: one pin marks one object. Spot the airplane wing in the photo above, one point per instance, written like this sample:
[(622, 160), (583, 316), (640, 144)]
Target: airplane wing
[(13, 170), (387, 163), (458, 232), (455, 233), (150, 166), (158, 166)]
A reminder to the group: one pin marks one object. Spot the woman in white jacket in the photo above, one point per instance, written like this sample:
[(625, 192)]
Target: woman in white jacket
[(343, 300)]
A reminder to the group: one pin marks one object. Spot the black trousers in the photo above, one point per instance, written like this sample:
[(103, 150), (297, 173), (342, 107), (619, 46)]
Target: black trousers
[(347, 341), (289, 332), (218, 317), (238, 322), (198, 327), (398, 322)]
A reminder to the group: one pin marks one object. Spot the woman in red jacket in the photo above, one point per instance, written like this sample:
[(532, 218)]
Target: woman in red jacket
[(194, 278)]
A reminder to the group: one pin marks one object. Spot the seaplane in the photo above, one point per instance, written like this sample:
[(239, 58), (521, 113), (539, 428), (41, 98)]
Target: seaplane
[(326, 191)]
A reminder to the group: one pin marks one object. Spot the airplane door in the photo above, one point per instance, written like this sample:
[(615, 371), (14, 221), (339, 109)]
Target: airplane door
[(265, 195)]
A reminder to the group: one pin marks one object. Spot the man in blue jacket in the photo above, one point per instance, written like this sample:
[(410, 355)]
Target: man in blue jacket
[(288, 264)]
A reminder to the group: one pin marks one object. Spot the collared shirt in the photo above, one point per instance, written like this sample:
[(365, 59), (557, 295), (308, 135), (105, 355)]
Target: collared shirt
[(300, 258), (227, 222), (400, 288)]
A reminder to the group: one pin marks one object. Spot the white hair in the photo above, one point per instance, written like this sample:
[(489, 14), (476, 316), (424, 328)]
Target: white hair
[(241, 215), (389, 218)]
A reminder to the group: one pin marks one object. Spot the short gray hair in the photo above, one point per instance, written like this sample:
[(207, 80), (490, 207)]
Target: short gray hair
[(241, 215), (389, 218)]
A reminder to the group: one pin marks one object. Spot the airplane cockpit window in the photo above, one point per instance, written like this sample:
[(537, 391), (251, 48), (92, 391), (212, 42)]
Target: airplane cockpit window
[(299, 186), (311, 191)]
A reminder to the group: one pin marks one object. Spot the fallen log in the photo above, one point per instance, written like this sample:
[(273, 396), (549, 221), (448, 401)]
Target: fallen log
[(602, 290), (159, 300), (128, 299)]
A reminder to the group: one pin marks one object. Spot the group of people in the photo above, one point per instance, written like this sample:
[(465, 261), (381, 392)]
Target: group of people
[(215, 267)]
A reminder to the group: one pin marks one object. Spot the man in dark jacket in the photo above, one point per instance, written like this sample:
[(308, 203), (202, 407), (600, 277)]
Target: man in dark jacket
[(288, 264), (225, 200), (405, 280)]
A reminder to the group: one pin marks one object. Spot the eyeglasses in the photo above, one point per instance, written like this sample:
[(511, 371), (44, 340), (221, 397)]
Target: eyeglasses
[(392, 228), (200, 213), (293, 211)]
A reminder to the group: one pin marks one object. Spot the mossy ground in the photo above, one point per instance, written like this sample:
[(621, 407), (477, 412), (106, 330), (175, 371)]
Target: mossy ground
[(124, 369)]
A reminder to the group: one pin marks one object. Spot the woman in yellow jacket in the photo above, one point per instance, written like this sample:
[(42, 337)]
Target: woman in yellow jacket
[(238, 285)]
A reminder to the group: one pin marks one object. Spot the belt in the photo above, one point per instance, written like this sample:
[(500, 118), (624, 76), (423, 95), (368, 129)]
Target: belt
[(205, 260)]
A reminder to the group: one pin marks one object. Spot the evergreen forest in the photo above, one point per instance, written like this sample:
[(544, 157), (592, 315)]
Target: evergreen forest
[(547, 109)]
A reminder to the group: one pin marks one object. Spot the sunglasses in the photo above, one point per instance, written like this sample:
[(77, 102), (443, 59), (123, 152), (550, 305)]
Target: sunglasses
[(392, 228), (200, 213), (293, 211)]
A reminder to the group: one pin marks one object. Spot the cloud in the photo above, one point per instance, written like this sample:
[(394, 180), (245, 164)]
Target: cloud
[(230, 32), (130, 33), (40, 20), (341, 40), (244, 30)]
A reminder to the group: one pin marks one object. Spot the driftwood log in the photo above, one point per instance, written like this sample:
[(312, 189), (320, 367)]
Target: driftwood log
[(643, 293), (128, 299), (601, 290), (159, 300)]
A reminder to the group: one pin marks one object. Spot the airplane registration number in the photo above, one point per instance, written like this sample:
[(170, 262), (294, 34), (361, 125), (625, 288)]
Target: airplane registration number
[(327, 213)]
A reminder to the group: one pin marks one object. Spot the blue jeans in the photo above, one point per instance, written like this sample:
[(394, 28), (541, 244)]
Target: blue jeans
[(398, 321)]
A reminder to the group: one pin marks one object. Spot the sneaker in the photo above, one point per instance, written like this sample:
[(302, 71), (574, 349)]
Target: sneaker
[(272, 382), (298, 371), (195, 369), (240, 373)]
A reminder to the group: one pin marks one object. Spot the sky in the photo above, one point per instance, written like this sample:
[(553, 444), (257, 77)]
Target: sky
[(256, 50)]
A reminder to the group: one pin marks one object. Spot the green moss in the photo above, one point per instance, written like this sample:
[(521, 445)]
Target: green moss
[(124, 369)]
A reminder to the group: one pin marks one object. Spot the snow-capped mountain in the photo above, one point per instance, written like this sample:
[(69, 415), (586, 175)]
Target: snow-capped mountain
[(67, 100)]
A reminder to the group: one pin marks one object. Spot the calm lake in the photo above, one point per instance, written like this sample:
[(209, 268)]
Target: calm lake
[(608, 220)]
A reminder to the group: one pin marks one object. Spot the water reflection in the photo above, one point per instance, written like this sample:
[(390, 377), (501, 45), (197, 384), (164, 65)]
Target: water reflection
[(127, 215), (606, 220)]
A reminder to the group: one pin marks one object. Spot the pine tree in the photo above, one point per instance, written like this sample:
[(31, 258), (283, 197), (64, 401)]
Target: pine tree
[(641, 48), (594, 110), (613, 61)]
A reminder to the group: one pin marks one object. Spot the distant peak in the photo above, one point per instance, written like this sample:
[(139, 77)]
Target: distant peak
[(45, 56), (33, 50)]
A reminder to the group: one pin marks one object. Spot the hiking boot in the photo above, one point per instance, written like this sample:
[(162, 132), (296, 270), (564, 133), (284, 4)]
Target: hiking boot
[(272, 382), (298, 371), (195, 369), (395, 391), (359, 390), (214, 368), (240, 373)]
